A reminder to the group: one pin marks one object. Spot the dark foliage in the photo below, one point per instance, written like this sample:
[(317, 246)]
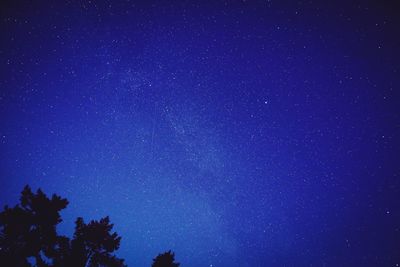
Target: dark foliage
[(166, 259), (28, 236), (29, 229), (93, 244)]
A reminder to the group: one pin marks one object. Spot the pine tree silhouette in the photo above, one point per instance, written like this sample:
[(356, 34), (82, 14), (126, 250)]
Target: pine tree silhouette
[(28, 236), (29, 230), (166, 259), (93, 244)]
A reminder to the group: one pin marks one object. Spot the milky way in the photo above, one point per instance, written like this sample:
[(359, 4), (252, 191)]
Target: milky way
[(238, 133)]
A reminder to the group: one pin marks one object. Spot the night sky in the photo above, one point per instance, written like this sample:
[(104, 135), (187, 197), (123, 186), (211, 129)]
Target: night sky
[(237, 133)]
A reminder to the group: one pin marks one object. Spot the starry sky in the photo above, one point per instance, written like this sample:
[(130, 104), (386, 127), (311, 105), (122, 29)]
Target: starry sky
[(236, 133)]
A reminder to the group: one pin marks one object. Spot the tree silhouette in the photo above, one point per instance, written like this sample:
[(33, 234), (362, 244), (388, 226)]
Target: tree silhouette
[(28, 236), (166, 259), (29, 230), (93, 244)]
